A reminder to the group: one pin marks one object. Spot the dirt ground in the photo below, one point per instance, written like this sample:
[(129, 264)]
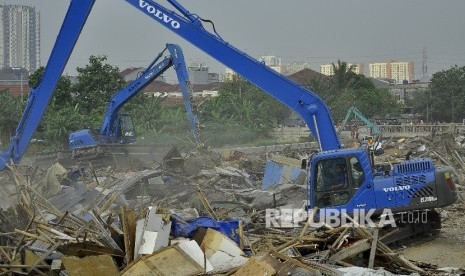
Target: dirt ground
[(448, 248)]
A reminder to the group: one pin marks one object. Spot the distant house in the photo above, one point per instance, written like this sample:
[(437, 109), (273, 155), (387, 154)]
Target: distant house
[(11, 80), (15, 89), (306, 74), (132, 73), (401, 92), (173, 92)]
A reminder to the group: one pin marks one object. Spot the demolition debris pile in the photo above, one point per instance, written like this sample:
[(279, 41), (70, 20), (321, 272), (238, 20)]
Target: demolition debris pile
[(192, 215)]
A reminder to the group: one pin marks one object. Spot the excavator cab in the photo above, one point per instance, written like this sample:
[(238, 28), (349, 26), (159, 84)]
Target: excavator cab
[(340, 179), (125, 131), (336, 180)]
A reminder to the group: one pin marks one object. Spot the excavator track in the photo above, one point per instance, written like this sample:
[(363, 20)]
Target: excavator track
[(412, 226), (115, 155)]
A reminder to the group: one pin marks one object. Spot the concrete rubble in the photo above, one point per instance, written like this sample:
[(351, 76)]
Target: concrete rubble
[(201, 213)]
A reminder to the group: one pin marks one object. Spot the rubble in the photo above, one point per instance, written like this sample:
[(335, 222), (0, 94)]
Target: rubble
[(194, 215)]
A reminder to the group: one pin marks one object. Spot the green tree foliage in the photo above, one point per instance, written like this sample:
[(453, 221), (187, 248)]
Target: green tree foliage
[(243, 104), (97, 82), (371, 102), (147, 113), (63, 115), (420, 103), (10, 114), (342, 75), (447, 95), (62, 94), (345, 78), (346, 88), (58, 124)]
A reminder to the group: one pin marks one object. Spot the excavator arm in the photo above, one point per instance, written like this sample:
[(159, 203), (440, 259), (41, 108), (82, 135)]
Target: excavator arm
[(306, 103), (346, 119), (39, 97), (154, 70), (189, 26), (353, 110), (374, 128)]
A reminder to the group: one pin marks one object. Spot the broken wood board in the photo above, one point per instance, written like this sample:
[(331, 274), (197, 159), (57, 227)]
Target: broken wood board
[(90, 265), (256, 266), (169, 261)]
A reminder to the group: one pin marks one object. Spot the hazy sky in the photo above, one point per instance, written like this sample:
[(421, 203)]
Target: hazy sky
[(317, 32)]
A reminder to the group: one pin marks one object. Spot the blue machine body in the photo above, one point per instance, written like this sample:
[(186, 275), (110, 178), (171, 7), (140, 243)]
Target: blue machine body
[(409, 185)]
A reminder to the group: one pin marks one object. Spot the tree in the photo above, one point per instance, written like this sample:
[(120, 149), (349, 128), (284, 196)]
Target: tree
[(444, 100), (147, 113), (342, 75), (419, 103), (97, 82), (345, 78), (10, 114), (448, 95), (62, 94), (59, 123), (242, 103)]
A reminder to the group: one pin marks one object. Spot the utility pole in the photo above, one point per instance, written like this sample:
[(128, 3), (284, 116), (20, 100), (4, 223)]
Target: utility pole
[(424, 66), (22, 94)]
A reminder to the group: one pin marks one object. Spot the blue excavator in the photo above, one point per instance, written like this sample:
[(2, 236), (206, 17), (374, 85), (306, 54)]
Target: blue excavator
[(411, 185), (117, 128)]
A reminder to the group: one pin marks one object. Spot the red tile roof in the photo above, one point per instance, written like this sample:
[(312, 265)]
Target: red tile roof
[(174, 101), (14, 89)]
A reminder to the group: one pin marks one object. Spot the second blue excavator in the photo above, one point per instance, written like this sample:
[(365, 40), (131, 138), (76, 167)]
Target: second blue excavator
[(118, 128)]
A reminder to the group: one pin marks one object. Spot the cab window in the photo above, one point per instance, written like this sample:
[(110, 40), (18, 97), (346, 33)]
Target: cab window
[(332, 182), (357, 172)]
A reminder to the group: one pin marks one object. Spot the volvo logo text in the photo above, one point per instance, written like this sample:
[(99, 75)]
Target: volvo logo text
[(159, 14), (395, 189)]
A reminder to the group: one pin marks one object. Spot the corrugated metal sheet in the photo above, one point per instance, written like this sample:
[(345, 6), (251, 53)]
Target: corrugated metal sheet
[(277, 173)]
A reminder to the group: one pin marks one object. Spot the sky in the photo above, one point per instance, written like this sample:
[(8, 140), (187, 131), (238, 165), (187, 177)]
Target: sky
[(316, 32)]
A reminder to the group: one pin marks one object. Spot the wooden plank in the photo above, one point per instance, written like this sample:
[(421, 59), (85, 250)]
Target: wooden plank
[(356, 248), (90, 265), (307, 224), (206, 204), (255, 267), (165, 262), (374, 243), (128, 220)]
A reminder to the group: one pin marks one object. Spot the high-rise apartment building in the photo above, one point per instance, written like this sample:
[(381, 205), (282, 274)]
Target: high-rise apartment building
[(328, 69), (380, 70), (19, 37), (398, 71), (402, 71)]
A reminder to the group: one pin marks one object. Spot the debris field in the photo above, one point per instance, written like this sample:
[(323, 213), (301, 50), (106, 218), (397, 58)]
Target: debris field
[(198, 213)]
